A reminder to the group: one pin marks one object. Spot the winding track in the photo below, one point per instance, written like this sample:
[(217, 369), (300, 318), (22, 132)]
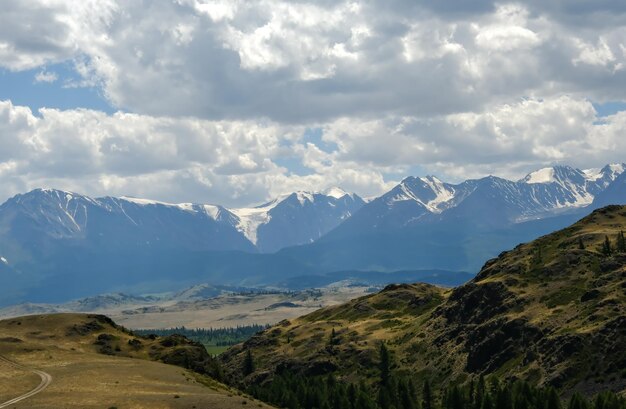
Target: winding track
[(46, 379)]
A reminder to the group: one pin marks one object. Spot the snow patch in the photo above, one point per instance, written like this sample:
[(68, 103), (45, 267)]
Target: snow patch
[(145, 202), (617, 168), (442, 194), (335, 192), (251, 218), (210, 210), (545, 175), (593, 174), (303, 197)]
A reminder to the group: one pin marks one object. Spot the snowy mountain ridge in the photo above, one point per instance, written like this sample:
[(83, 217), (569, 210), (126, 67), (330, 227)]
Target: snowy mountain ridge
[(303, 217), (548, 189), (61, 214)]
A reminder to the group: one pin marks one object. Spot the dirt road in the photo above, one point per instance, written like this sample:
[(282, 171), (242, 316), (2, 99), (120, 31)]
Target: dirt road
[(46, 379)]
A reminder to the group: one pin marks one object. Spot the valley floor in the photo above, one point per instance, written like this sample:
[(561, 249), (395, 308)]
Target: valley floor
[(223, 311)]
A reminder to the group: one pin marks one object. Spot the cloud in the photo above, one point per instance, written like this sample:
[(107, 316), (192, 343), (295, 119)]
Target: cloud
[(308, 61), (238, 162), (45, 76), (215, 98)]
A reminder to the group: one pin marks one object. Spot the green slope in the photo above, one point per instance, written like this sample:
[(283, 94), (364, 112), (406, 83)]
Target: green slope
[(547, 311)]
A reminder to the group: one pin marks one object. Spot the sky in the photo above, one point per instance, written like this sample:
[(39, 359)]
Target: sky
[(237, 101)]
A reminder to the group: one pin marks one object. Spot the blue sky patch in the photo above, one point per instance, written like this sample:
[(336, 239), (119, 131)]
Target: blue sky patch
[(609, 108), (22, 88), (314, 136)]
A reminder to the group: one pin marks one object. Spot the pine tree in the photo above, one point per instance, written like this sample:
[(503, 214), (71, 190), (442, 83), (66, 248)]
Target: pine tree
[(248, 363), (577, 401), (480, 393), (504, 399), (537, 256), (384, 400), (621, 244), (554, 402), (606, 246), (487, 402), (427, 396), (581, 244), (406, 400), (385, 365)]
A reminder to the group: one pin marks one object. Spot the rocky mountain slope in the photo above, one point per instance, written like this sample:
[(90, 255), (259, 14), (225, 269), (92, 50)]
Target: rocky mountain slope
[(297, 218), (552, 311), (420, 222), (42, 218)]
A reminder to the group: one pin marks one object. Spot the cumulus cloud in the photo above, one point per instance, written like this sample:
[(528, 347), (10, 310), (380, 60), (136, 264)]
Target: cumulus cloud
[(237, 162), (216, 96), (319, 60), (45, 76)]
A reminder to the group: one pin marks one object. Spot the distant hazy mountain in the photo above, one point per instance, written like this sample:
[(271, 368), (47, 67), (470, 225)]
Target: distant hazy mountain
[(48, 236), (490, 201), (56, 245), (297, 218), (43, 218), (424, 223), (615, 193)]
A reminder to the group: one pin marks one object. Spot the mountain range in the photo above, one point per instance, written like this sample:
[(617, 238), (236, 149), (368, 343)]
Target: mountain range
[(56, 244)]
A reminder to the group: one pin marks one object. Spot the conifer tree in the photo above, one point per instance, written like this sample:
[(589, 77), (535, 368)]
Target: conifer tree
[(248, 363), (621, 244), (487, 402), (581, 244), (606, 246), (384, 366), (577, 401), (406, 400), (504, 399), (554, 402), (427, 396), (384, 400), (480, 393)]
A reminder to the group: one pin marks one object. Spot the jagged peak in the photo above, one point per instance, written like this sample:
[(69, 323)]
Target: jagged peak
[(335, 192)]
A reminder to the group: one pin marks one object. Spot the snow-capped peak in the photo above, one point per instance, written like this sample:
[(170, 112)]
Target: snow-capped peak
[(616, 169), (251, 218), (304, 197), (592, 174), (212, 211), (429, 191), (610, 171), (149, 202), (442, 193), (335, 192), (545, 175)]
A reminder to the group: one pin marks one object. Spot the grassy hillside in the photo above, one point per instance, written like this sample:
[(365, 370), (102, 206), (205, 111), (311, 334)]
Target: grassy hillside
[(552, 311), (97, 364)]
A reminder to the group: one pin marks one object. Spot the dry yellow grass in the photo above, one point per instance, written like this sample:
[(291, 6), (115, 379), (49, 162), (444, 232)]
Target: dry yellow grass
[(84, 378)]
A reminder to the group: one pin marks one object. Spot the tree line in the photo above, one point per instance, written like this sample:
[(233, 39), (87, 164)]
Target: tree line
[(608, 248), (390, 391), (210, 336)]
